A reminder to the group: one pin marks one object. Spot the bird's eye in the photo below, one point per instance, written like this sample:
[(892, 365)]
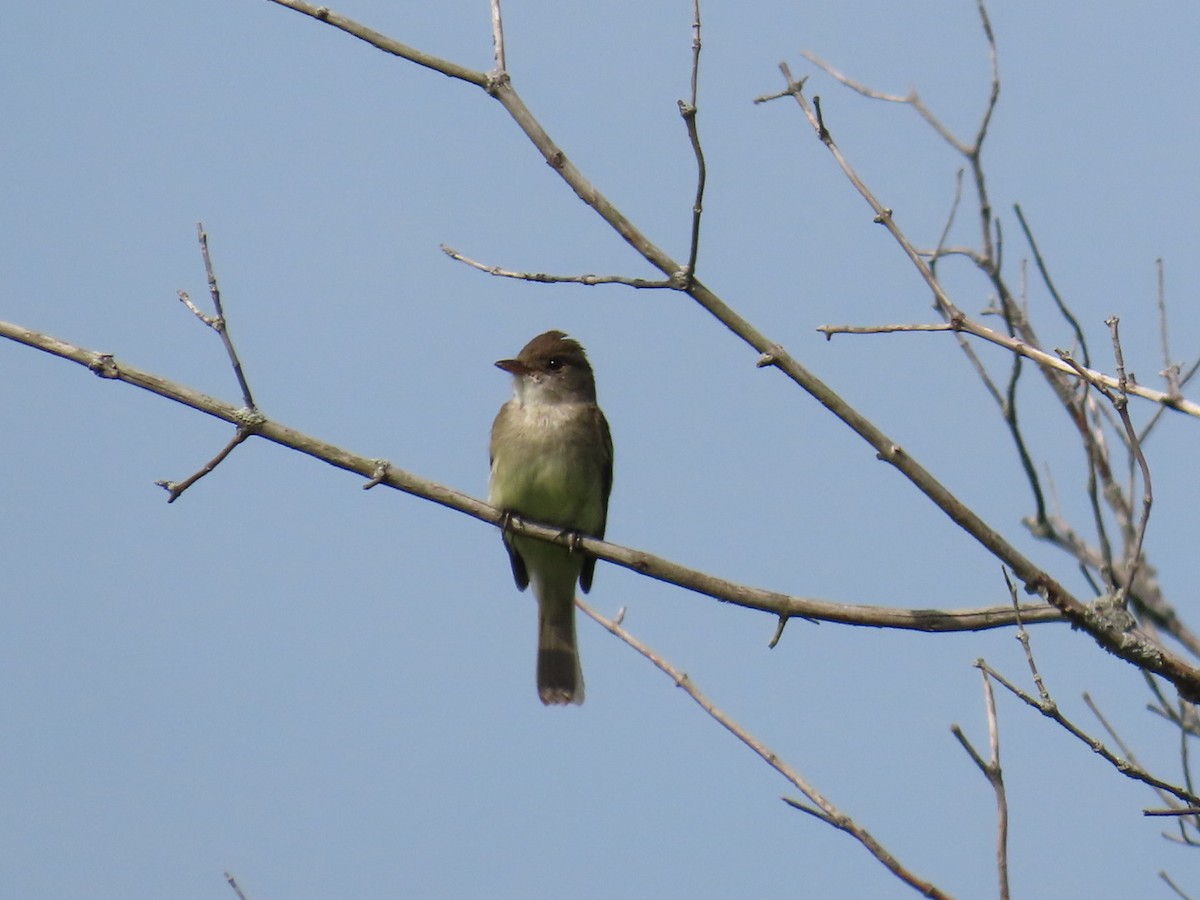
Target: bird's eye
[(554, 364)]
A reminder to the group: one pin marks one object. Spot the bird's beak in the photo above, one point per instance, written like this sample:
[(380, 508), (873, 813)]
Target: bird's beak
[(513, 366)]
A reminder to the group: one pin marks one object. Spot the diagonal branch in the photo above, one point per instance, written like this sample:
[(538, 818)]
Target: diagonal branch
[(387, 44), (822, 808)]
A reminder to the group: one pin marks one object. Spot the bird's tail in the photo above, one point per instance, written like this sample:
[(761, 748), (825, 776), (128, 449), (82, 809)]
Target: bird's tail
[(559, 676)]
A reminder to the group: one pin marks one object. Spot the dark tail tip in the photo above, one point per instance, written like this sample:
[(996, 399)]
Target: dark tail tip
[(558, 678)]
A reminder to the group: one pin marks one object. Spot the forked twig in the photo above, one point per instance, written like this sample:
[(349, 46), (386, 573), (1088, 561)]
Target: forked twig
[(1048, 707), (217, 323), (249, 418), (995, 775)]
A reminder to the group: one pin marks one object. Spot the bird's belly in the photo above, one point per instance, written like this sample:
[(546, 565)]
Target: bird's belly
[(547, 480)]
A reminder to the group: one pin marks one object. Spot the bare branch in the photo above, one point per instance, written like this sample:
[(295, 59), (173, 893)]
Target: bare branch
[(1023, 637), (1054, 294), (218, 322), (821, 807), (175, 489), (386, 44), (1046, 705), (994, 774), (1170, 369), (1134, 555), (250, 418), (1188, 809), (558, 279), (1009, 410), (688, 111), (233, 884), (1173, 886), (1158, 413), (498, 38), (1050, 710), (221, 325), (966, 325), (379, 472), (830, 330), (972, 152)]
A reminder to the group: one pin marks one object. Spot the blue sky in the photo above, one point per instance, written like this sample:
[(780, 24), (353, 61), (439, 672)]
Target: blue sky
[(329, 692)]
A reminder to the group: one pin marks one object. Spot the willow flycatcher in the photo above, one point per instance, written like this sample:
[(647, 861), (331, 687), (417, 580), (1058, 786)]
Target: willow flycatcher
[(552, 458)]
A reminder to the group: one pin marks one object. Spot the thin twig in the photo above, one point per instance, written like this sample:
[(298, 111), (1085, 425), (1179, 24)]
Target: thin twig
[(1161, 411), (558, 279), (1040, 262), (1184, 815), (236, 887), (176, 488), (1046, 705), (1170, 369), (688, 111), (1134, 555), (387, 45), (1023, 638), (830, 330), (249, 417), (498, 38), (970, 326), (1173, 886), (993, 772), (934, 258), (821, 807), (1010, 312), (218, 322), (972, 152), (1050, 710), (1185, 757)]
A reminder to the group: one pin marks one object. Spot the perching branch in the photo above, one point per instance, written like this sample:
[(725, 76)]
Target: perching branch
[(379, 472)]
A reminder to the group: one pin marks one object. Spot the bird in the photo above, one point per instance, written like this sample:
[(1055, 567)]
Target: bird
[(551, 458)]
